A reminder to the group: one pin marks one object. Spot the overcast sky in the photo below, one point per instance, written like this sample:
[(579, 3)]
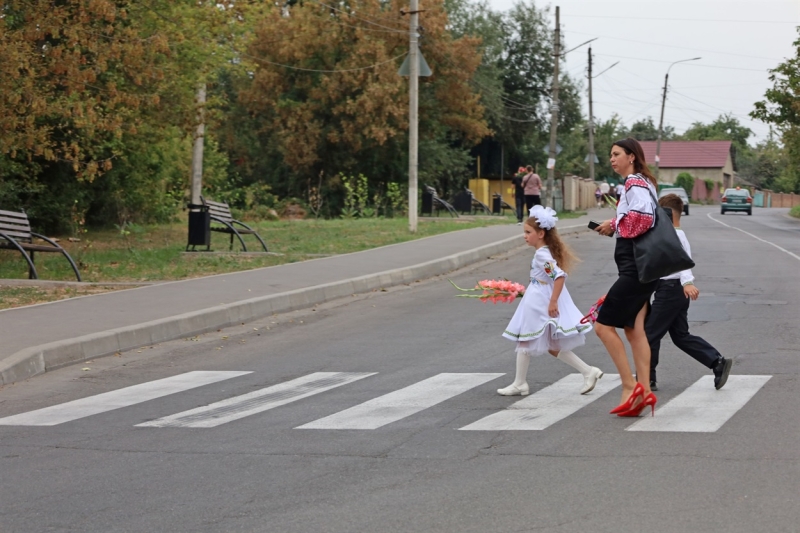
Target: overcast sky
[(737, 41)]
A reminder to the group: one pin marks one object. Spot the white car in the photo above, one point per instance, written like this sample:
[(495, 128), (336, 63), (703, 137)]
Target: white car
[(680, 192)]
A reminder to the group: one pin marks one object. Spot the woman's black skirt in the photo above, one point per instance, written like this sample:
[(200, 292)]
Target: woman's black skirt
[(627, 296)]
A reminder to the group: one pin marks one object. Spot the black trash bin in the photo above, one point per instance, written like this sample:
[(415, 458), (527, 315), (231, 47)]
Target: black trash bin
[(496, 205), (427, 203), (462, 202), (199, 226)]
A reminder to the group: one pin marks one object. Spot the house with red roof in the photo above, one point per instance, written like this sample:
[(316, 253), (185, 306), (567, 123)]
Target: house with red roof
[(704, 160)]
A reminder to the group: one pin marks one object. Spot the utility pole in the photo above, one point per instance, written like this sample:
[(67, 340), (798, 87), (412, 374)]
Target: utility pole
[(502, 172), (551, 161), (661, 124), (413, 117), (197, 152), (592, 155), (591, 121), (663, 102)]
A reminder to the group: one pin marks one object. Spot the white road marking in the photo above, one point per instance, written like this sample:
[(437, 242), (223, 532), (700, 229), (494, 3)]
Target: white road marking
[(108, 401), (545, 407), (401, 403), (258, 401), (701, 408), (755, 237)]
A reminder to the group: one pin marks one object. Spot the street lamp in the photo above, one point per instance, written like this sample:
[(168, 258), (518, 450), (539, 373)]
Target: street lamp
[(664, 101)]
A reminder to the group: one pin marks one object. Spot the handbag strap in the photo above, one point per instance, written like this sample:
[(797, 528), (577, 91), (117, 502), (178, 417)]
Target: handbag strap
[(653, 196)]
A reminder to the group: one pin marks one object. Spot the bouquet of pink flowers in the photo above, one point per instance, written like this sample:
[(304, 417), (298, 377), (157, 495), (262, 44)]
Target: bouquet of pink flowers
[(493, 290), (591, 316)]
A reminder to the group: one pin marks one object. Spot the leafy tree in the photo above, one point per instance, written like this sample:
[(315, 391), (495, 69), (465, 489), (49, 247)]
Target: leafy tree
[(768, 164), (724, 128), (336, 116), (85, 84), (646, 130), (781, 107)]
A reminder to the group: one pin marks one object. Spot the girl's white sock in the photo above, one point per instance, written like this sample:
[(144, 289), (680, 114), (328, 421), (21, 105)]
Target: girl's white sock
[(523, 360), (575, 362)]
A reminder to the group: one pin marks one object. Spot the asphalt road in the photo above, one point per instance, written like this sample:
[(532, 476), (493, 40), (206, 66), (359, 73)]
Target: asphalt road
[(419, 471)]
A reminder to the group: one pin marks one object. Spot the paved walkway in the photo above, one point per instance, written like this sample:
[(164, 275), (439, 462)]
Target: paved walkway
[(43, 337)]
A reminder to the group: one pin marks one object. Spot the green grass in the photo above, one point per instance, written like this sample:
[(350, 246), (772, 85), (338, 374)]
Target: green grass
[(795, 211)]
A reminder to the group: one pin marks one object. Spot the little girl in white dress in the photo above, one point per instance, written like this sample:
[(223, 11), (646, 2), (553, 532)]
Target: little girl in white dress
[(547, 320)]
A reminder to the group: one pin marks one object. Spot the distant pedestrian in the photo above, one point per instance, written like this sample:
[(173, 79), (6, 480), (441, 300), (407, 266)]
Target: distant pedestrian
[(670, 309), (546, 319), (532, 184), (598, 195), (519, 194), (605, 187), (619, 190)]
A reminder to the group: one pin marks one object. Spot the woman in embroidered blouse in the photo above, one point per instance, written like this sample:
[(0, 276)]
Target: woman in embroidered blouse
[(627, 301)]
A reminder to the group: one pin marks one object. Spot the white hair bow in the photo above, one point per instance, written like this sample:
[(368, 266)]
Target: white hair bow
[(545, 216)]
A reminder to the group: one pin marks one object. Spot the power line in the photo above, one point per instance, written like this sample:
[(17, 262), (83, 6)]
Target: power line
[(699, 87), (685, 20), (254, 58), (397, 30), (675, 46), (688, 64)]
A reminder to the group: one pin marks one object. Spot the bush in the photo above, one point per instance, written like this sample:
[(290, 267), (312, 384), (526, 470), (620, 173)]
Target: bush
[(686, 181)]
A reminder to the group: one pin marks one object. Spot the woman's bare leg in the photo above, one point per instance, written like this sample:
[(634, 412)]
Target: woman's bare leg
[(616, 349), (641, 349)]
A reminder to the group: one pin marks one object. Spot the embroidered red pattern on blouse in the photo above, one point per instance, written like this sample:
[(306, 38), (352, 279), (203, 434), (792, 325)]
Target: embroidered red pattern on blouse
[(635, 181), (634, 223)]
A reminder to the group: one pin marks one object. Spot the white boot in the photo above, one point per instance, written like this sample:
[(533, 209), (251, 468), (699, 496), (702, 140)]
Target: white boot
[(590, 373), (591, 380), (520, 385)]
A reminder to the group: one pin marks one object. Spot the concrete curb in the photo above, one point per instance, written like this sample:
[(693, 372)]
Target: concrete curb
[(34, 360)]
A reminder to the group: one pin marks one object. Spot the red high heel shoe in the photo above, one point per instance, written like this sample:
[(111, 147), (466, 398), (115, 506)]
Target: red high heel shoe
[(650, 400), (638, 390)]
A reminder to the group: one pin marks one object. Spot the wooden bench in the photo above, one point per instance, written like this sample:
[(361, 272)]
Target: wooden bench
[(220, 212), (16, 234), (440, 204), (477, 204)]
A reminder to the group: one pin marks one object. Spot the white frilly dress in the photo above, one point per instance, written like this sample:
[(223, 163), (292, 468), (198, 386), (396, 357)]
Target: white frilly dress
[(532, 327)]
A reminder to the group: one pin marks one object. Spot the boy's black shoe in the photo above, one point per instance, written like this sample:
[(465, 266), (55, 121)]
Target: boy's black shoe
[(721, 371), (653, 385)]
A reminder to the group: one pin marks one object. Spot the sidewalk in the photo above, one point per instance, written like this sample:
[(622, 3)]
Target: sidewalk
[(44, 337)]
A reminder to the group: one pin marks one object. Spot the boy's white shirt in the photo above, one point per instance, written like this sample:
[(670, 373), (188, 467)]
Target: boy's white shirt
[(685, 276)]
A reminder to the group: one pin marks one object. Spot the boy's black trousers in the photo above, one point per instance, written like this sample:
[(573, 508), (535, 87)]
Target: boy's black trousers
[(669, 314)]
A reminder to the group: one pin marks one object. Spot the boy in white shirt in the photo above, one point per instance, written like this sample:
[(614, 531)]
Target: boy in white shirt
[(670, 309)]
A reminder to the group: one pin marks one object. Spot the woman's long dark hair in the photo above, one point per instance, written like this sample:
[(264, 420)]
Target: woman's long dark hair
[(632, 147)]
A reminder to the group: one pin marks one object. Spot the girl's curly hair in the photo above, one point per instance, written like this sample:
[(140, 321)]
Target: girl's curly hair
[(562, 253)]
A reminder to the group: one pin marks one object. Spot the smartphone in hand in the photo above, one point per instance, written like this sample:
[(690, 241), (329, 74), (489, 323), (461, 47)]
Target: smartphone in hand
[(593, 225)]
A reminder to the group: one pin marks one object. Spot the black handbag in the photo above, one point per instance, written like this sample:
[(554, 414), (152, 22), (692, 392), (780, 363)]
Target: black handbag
[(659, 252)]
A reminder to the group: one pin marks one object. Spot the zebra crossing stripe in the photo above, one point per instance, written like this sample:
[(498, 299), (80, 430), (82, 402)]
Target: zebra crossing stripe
[(258, 401), (401, 403), (108, 401), (701, 408), (546, 407)]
